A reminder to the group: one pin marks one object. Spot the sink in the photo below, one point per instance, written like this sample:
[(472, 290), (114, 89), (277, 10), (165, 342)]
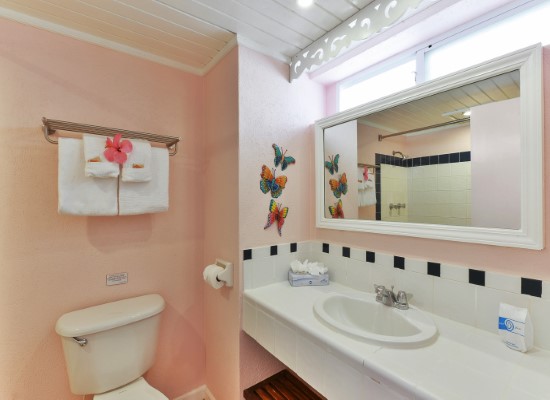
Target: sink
[(360, 316)]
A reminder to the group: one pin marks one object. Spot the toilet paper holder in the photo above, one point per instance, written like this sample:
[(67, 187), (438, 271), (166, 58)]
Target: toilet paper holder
[(226, 275)]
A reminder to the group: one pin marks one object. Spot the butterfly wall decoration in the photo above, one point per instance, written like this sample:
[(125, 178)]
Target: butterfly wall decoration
[(337, 210), (276, 214), (339, 187), (271, 183), (282, 158), (332, 164)]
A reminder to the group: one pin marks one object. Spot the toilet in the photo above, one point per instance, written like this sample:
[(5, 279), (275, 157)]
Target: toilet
[(110, 346)]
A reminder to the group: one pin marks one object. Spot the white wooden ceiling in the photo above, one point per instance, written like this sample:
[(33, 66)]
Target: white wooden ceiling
[(187, 34)]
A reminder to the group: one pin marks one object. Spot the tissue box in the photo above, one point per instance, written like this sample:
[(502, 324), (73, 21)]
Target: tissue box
[(307, 280)]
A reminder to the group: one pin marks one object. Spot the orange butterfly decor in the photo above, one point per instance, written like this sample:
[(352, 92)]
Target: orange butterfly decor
[(276, 214), (340, 186), (270, 183), (337, 211)]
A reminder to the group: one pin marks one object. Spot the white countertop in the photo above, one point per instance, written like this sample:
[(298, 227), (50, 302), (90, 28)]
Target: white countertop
[(463, 363)]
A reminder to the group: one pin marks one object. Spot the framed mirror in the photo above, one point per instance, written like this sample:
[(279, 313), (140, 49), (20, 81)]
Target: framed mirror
[(457, 158)]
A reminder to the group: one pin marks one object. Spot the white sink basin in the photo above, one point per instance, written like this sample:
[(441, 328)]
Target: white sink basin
[(360, 316)]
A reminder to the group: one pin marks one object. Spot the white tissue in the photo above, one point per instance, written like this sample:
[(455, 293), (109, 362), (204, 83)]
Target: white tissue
[(210, 275), (307, 267)]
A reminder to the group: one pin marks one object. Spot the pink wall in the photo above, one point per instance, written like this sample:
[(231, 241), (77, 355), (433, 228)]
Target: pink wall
[(272, 110), (221, 225), (528, 263), (51, 264)]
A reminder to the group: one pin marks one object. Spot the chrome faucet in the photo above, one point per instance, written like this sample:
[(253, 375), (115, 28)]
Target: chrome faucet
[(390, 299)]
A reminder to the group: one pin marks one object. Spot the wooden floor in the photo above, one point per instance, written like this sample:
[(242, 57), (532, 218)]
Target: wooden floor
[(282, 386)]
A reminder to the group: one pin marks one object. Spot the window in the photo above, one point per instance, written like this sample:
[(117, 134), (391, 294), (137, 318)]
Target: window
[(390, 81), (511, 30), (517, 31)]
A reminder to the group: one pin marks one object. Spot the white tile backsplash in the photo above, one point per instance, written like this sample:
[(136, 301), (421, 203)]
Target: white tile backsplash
[(449, 295)]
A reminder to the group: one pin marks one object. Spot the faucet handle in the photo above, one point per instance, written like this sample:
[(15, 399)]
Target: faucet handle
[(379, 289), (401, 300)]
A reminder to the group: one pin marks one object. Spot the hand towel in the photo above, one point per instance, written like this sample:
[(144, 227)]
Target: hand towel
[(137, 167), (97, 165), (367, 192), (147, 197), (78, 194)]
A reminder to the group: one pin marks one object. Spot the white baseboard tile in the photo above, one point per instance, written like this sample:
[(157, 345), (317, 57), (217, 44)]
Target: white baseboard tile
[(200, 393)]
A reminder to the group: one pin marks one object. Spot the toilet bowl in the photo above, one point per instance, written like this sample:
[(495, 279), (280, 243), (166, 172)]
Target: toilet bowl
[(109, 347), (136, 390)]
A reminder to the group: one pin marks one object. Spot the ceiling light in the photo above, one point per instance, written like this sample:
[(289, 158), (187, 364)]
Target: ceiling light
[(467, 113), (305, 3)]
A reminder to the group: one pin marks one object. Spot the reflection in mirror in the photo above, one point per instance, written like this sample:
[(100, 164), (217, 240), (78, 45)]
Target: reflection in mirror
[(444, 159), (457, 158)]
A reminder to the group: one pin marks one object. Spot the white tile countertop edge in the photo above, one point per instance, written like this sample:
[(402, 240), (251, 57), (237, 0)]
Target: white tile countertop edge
[(463, 362)]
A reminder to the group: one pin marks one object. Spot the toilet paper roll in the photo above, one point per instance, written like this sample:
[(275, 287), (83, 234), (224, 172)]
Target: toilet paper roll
[(210, 275)]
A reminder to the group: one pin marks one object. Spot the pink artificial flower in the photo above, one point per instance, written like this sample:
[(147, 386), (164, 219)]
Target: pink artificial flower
[(116, 150)]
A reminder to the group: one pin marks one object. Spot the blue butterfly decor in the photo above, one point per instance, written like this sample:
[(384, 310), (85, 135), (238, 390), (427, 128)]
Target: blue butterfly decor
[(281, 158), (332, 164)]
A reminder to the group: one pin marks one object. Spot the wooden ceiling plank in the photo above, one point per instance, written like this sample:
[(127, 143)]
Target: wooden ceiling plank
[(286, 17), (132, 27), (78, 22), (182, 19), (128, 10), (315, 14), (221, 19), (246, 16)]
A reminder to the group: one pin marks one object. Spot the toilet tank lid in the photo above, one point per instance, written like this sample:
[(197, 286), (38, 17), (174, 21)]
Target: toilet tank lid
[(109, 316)]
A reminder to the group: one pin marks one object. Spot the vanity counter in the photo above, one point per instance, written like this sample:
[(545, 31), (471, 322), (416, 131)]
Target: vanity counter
[(463, 362)]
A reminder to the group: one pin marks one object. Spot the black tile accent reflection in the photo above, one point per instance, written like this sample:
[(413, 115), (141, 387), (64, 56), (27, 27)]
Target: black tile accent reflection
[(325, 248), (476, 277), (532, 287), (455, 157), (371, 256), (345, 252), (465, 156), (247, 254), (434, 269), (398, 262), (444, 158), (293, 247), (273, 250)]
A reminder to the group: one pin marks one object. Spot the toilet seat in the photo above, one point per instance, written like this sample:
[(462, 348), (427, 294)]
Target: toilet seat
[(136, 390)]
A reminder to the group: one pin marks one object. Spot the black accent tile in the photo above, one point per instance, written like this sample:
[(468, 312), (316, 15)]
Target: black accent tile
[(434, 160), (455, 157), (425, 160), (379, 216), (416, 162), (398, 262), (377, 158), (293, 247), (345, 252), (465, 156), (434, 269), (273, 250), (247, 254), (371, 256), (532, 287), (444, 158), (325, 248), (382, 159), (476, 277), (409, 162)]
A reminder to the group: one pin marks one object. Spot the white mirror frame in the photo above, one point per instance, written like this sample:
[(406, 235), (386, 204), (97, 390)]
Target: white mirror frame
[(530, 235)]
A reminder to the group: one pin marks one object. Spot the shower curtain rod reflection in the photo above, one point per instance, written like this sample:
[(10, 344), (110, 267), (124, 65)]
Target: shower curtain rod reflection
[(50, 126), (458, 121)]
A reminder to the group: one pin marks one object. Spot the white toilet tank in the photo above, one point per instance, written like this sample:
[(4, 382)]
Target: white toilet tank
[(121, 341)]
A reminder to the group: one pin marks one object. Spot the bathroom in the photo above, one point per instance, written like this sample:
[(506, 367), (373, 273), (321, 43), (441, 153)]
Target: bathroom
[(228, 120)]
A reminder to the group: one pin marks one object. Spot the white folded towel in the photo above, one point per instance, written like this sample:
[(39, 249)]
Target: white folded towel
[(78, 194), (367, 192), (147, 197), (97, 165), (137, 167)]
